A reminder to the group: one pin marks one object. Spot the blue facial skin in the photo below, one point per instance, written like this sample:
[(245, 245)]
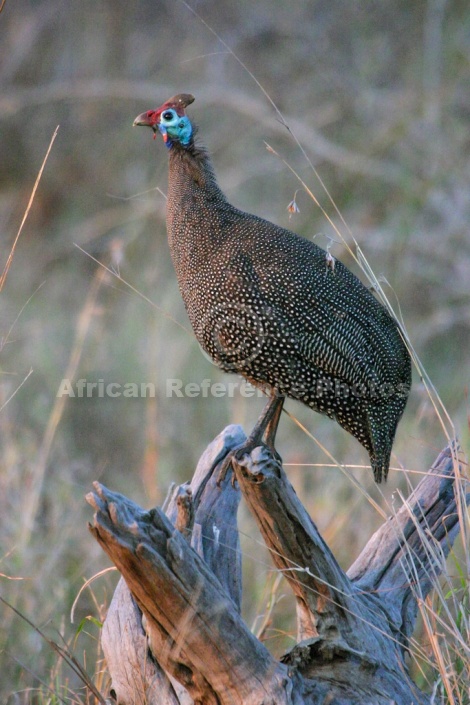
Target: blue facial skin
[(175, 128)]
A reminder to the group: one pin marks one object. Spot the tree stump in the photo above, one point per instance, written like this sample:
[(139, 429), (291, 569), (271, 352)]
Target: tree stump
[(174, 635)]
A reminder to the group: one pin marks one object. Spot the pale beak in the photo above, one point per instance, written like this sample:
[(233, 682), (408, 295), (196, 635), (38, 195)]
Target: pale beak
[(147, 119)]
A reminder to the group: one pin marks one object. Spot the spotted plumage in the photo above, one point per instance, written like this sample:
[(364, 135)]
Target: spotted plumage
[(266, 303)]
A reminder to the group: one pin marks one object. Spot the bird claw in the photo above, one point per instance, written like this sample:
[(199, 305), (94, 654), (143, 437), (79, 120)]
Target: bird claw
[(227, 465), (262, 436), (236, 456)]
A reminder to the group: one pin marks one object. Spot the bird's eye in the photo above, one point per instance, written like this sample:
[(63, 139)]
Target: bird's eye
[(168, 115)]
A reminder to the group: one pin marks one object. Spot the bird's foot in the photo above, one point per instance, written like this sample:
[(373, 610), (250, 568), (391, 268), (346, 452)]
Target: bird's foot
[(236, 455), (262, 436), (226, 466)]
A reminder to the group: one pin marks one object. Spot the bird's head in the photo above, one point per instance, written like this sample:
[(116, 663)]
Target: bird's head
[(170, 120)]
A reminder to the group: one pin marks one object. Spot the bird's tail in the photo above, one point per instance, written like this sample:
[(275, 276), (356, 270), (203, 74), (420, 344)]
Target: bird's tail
[(383, 421), (380, 463)]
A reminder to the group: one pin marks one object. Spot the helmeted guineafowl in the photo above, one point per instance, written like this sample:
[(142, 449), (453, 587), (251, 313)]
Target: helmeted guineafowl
[(264, 303)]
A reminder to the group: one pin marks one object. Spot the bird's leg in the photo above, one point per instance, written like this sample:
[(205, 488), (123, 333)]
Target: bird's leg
[(264, 433), (266, 426)]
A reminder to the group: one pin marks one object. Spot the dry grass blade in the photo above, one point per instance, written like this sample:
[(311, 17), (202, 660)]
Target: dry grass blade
[(344, 468), (63, 652), (38, 679), (266, 619), (86, 584), (135, 291), (16, 390), (448, 642), (28, 208), (83, 323)]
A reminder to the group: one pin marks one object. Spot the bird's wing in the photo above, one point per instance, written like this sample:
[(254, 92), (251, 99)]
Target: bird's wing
[(330, 320)]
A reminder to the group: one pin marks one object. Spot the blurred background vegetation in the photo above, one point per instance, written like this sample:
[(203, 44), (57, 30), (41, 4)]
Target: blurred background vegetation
[(377, 94)]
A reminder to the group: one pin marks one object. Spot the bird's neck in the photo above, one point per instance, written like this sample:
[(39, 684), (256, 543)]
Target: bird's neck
[(193, 193), (194, 165)]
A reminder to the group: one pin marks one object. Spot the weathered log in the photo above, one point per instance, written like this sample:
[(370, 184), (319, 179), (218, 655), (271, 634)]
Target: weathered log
[(192, 623), (136, 676), (207, 516), (353, 629)]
